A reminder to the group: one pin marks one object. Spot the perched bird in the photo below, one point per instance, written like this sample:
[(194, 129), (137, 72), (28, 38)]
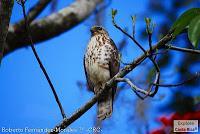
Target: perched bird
[(101, 63)]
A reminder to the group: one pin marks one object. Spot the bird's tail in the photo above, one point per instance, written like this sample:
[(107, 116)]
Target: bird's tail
[(105, 105)]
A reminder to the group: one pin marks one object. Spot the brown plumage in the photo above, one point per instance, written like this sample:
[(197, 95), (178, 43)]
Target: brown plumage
[(101, 64)]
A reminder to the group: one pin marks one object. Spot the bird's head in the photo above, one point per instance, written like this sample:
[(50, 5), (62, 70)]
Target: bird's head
[(98, 30)]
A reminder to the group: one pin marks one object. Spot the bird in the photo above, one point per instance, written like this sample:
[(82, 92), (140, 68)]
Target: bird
[(101, 63)]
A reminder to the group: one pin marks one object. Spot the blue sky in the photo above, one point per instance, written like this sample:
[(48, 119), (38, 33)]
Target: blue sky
[(26, 99)]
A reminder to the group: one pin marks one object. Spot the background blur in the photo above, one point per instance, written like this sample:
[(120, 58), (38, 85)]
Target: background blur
[(26, 99)]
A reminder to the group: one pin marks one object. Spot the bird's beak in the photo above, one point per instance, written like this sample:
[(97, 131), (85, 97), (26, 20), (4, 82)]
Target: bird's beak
[(92, 30)]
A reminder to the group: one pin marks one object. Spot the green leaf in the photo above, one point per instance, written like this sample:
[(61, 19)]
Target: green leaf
[(184, 20), (194, 31)]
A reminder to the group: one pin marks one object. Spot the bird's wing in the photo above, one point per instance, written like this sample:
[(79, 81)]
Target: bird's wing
[(90, 85), (114, 65)]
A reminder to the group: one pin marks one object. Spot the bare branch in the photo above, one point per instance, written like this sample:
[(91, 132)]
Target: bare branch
[(27, 28), (149, 32), (182, 49), (52, 25), (5, 13), (133, 87), (66, 122), (150, 40), (197, 74), (133, 25)]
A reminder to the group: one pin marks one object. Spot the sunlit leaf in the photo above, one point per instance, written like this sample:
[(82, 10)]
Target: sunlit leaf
[(194, 31), (184, 20)]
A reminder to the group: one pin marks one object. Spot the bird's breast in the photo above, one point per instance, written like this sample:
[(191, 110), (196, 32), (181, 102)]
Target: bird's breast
[(97, 61)]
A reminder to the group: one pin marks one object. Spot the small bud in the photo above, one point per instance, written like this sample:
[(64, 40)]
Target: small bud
[(149, 25), (148, 21), (114, 12), (133, 17)]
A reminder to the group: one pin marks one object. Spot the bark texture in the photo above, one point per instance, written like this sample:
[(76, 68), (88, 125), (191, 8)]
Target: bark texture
[(5, 13), (50, 26)]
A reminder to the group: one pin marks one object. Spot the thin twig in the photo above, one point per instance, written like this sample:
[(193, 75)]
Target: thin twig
[(149, 35), (153, 60), (144, 51), (132, 38), (133, 25), (150, 41), (39, 61), (156, 53), (197, 74), (182, 49)]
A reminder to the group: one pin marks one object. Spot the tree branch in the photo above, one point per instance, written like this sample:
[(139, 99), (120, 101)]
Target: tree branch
[(133, 87), (197, 74), (66, 122), (52, 25), (5, 13), (193, 51), (32, 13)]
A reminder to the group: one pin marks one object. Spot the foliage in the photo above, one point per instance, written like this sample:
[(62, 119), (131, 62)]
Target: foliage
[(194, 31), (189, 20)]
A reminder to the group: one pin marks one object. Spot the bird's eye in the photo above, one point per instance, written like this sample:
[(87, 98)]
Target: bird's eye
[(99, 28)]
